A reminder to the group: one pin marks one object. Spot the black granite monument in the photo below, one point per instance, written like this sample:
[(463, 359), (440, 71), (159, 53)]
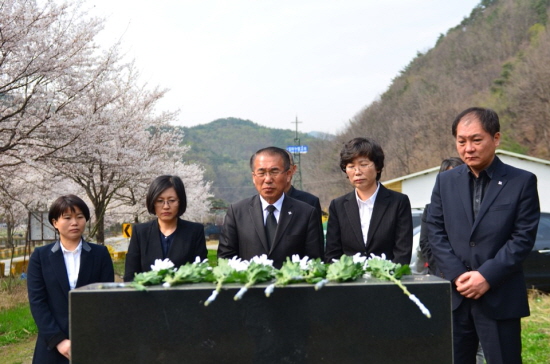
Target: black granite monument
[(368, 321)]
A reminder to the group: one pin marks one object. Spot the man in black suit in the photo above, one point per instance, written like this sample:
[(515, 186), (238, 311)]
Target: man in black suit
[(371, 219), (295, 225), (303, 195), (482, 224)]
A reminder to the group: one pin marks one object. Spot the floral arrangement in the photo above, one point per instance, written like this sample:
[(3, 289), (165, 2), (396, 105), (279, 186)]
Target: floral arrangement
[(163, 272), (260, 269), (295, 270)]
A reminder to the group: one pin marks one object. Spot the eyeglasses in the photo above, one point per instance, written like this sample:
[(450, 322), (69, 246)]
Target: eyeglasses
[(160, 203), (362, 167), (272, 172)]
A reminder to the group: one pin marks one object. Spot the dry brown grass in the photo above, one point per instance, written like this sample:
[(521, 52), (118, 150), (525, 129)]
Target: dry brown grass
[(13, 293), (539, 303)]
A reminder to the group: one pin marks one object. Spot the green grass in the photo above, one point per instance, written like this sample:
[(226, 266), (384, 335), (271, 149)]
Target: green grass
[(213, 257), (535, 333), (16, 324), (119, 267)]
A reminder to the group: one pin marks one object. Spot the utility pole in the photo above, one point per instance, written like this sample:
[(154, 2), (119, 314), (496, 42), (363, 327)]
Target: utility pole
[(297, 179)]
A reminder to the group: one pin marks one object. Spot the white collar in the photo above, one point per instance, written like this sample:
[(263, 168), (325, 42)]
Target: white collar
[(65, 250), (369, 201), (278, 204)]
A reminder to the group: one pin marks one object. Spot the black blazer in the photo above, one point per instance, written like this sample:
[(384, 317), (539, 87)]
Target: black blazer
[(310, 200), (243, 232), (145, 246), (495, 243), (390, 229), (48, 287), (305, 197)]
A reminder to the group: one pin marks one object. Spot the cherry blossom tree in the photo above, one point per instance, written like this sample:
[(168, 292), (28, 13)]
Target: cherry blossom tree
[(120, 143), (47, 58), (76, 119)]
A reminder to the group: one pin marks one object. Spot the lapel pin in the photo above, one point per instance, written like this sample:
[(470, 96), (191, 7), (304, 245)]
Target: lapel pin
[(499, 182), (290, 212)]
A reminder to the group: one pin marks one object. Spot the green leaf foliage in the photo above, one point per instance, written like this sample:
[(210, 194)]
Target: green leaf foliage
[(191, 273), (344, 269)]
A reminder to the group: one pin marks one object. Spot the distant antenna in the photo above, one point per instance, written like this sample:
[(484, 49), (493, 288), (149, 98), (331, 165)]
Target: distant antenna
[(296, 155)]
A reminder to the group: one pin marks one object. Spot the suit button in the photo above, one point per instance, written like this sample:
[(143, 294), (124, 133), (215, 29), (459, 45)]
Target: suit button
[(472, 243)]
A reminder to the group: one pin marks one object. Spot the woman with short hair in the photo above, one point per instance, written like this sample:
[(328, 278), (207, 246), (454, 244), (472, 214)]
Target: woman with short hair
[(57, 268), (372, 219), (167, 236)]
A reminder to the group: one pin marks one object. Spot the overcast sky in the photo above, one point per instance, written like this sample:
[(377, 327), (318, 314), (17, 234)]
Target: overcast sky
[(269, 61)]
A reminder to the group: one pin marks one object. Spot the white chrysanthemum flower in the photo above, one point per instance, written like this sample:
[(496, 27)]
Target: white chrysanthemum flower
[(381, 257), (358, 258), (304, 262), (161, 265), (238, 264), (262, 259)]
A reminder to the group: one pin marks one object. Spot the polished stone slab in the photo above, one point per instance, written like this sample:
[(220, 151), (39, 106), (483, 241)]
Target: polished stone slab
[(368, 321)]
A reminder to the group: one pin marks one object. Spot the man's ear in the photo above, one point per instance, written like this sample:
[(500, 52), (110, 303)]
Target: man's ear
[(497, 139)]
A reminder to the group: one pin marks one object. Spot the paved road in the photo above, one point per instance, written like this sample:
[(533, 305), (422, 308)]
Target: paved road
[(120, 244)]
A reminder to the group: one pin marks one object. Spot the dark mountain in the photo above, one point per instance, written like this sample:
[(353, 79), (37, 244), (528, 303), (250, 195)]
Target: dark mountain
[(224, 147), (498, 57)]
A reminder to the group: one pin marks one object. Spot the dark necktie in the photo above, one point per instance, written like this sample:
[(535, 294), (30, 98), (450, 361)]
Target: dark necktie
[(270, 226)]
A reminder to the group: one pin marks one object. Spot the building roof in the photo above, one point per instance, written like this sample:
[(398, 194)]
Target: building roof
[(498, 151)]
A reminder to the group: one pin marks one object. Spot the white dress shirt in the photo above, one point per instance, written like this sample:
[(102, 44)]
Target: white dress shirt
[(278, 205), (72, 263), (365, 211)]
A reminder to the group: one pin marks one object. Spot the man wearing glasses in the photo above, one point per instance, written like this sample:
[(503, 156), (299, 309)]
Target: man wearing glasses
[(270, 222)]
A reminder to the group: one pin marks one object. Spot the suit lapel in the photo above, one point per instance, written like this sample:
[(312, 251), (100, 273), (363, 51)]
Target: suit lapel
[(58, 265), (285, 217), (378, 211), (154, 248), (352, 212), (257, 218), (462, 186), (495, 185), (86, 264), (175, 249)]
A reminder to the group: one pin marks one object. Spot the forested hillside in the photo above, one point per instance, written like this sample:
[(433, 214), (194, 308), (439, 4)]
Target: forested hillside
[(224, 146), (498, 57)]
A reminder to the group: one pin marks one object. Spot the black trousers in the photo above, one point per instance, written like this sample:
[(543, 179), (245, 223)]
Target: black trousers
[(500, 339)]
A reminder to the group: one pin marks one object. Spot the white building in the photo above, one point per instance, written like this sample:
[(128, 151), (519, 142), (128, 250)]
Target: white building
[(418, 186)]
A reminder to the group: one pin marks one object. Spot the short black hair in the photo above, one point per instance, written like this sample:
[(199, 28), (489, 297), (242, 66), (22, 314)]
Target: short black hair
[(362, 147), (65, 203), (487, 117), (272, 151), (450, 163), (162, 183)]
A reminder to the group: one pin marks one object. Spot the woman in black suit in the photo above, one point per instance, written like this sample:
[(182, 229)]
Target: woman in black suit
[(372, 218), (167, 236), (55, 269)]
